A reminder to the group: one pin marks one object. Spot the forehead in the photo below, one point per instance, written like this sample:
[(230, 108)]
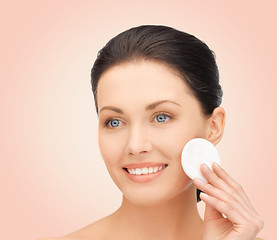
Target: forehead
[(141, 81)]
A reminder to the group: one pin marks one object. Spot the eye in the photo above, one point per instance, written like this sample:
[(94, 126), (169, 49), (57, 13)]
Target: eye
[(161, 117), (114, 123)]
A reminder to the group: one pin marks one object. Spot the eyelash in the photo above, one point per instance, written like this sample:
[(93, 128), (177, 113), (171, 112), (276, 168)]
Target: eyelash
[(160, 113)]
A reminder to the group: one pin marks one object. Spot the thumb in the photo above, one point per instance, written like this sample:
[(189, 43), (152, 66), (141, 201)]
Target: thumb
[(211, 213)]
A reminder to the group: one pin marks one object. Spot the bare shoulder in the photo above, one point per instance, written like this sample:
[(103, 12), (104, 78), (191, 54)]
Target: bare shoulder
[(70, 237), (58, 238), (49, 238), (97, 230)]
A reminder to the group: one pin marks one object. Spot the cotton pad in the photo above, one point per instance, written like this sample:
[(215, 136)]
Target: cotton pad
[(196, 152)]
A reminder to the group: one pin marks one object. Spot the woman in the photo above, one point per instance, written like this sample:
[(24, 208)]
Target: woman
[(156, 88)]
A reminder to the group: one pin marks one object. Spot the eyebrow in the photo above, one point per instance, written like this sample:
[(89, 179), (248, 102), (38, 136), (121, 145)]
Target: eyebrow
[(147, 108)]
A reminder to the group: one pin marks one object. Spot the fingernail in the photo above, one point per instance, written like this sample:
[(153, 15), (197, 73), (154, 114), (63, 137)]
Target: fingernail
[(199, 180), (216, 164), (202, 194), (206, 166)]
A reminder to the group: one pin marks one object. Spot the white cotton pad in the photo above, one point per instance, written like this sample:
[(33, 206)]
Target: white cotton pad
[(196, 152)]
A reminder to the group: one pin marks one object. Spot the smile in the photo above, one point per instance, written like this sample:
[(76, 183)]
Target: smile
[(145, 170), (144, 175)]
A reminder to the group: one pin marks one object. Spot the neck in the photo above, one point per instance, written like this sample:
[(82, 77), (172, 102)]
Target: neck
[(177, 218)]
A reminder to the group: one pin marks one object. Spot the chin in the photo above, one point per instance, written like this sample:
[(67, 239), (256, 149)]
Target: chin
[(153, 197)]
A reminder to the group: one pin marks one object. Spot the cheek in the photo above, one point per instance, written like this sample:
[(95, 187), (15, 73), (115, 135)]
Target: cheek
[(110, 146), (175, 138)]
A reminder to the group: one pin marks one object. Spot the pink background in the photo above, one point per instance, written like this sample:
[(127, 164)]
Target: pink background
[(52, 178)]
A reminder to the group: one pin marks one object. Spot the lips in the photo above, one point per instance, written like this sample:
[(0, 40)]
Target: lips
[(144, 164), (144, 172)]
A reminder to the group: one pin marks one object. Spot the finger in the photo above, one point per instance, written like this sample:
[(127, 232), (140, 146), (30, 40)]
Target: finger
[(238, 194), (211, 213), (224, 197), (236, 218), (213, 179), (220, 183), (233, 215), (222, 174)]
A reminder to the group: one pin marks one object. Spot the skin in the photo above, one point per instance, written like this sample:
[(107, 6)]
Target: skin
[(165, 208)]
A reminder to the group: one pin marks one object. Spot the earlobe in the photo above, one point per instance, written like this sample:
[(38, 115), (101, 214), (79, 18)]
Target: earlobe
[(216, 125)]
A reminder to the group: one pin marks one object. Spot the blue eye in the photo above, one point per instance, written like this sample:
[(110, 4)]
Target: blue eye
[(114, 123), (162, 117)]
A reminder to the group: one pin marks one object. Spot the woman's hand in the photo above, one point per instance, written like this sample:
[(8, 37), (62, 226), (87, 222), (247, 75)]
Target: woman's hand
[(223, 195)]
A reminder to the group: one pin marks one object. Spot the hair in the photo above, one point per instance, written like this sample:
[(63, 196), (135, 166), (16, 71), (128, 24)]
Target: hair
[(191, 58)]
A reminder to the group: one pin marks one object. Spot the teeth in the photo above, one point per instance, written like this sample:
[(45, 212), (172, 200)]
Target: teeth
[(138, 171), (143, 171)]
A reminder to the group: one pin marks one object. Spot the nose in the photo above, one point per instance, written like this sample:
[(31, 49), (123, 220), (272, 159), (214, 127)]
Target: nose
[(138, 141)]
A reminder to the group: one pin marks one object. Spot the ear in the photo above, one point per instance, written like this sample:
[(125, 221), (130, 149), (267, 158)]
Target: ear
[(216, 124)]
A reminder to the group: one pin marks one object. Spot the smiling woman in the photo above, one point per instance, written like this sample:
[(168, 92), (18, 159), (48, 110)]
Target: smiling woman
[(155, 88)]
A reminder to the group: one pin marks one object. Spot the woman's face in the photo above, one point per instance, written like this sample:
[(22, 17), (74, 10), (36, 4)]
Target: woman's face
[(135, 130)]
